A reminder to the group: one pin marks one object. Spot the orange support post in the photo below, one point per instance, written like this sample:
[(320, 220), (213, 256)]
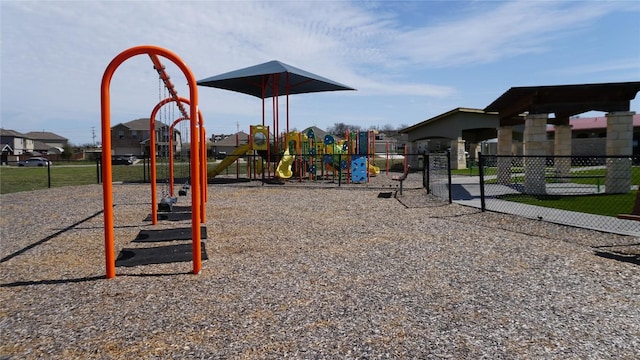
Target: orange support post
[(203, 172)]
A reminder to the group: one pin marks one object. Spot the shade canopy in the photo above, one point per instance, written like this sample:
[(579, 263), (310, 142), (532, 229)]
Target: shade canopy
[(270, 79)]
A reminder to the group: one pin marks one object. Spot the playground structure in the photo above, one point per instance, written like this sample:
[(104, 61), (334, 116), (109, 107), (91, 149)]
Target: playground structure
[(302, 156), (291, 153), (197, 143)]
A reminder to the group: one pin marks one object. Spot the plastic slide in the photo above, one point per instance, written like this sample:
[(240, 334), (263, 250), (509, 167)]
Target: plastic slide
[(230, 159), (283, 170), (373, 170)]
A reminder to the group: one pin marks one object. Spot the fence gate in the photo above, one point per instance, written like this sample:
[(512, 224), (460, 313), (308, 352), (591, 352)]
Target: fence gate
[(437, 175)]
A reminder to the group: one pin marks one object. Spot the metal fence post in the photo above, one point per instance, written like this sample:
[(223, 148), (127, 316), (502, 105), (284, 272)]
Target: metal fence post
[(449, 174), (425, 173), (339, 170), (49, 173), (481, 175), (98, 177), (144, 169)]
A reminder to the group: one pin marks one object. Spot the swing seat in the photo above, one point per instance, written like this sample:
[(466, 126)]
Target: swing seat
[(182, 192), (166, 204)]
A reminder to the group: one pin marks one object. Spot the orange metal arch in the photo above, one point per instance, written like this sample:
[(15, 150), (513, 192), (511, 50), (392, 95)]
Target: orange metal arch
[(105, 101), (171, 167), (152, 158)]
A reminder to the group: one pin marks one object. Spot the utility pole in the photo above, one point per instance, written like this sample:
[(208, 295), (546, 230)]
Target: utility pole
[(93, 135)]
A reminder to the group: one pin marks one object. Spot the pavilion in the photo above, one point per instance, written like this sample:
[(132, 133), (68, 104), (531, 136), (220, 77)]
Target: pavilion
[(564, 101)]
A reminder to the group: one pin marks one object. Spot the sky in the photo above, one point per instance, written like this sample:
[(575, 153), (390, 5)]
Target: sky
[(408, 60)]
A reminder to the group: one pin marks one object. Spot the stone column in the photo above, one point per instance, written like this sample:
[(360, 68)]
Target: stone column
[(562, 147), (474, 149), (458, 160), (535, 137), (505, 143), (619, 142)]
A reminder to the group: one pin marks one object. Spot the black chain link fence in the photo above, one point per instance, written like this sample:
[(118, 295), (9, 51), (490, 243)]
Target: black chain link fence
[(313, 171), (437, 175), (599, 192)]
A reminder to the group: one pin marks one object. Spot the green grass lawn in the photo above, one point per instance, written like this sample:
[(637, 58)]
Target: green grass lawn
[(471, 171), (588, 176), (14, 179), (600, 204)]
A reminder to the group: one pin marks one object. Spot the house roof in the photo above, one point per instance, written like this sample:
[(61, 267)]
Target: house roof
[(6, 147), (6, 132), (44, 136), (243, 138), (444, 116), (40, 146), (319, 133), (599, 122), (143, 124)]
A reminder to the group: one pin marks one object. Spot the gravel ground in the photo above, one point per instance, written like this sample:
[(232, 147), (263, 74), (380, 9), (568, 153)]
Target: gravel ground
[(313, 273)]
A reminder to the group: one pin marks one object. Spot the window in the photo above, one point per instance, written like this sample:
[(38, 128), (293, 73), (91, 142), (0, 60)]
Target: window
[(120, 134), (134, 134)]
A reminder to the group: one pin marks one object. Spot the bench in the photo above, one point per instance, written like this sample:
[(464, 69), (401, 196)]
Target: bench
[(402, 177)]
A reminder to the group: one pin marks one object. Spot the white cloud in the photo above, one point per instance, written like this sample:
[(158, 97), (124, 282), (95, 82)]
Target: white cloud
[(54, 53), (499, 30), (630, 66)]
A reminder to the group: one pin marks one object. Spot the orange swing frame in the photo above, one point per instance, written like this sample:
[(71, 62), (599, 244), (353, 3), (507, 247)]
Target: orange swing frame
[(195, 137)]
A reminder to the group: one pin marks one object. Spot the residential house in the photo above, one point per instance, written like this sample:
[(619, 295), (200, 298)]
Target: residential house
[(589, 136), (6, 151), (317, 132), (49, 142), (388, 143), (18, 142), (132, 138), (229, 143), (17, 146)]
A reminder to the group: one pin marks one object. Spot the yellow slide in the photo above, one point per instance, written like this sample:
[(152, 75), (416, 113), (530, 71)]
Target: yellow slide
[(283, 170), (373, 170), (230, 159)]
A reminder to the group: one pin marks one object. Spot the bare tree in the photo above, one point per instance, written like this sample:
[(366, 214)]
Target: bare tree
[(341, 128)]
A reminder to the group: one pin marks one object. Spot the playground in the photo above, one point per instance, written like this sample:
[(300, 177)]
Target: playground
[(267, 269), (308, 273)]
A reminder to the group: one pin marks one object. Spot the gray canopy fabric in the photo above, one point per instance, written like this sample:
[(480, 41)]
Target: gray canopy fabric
[(270, 79)]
